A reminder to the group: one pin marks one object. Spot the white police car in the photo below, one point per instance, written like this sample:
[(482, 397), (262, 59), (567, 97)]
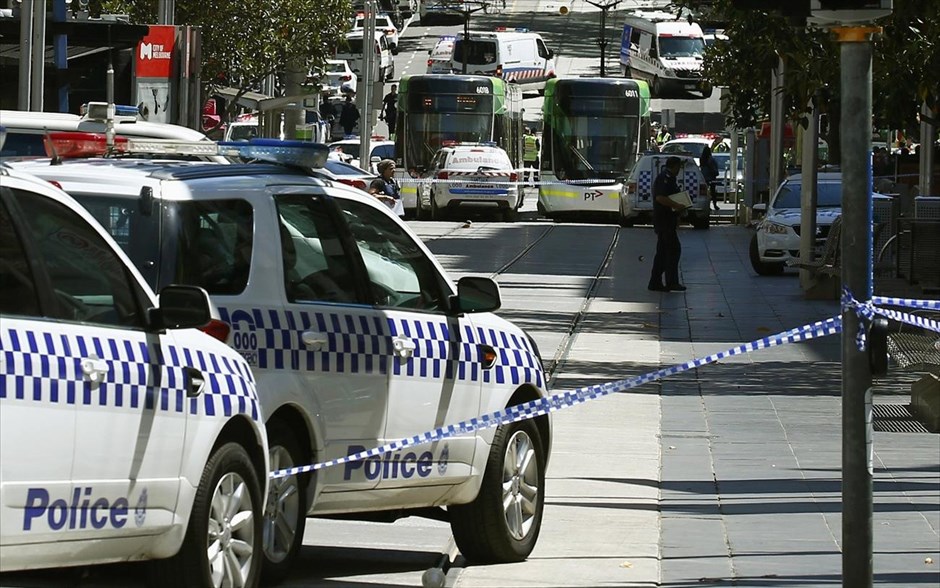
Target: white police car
[(777, 237), (357, 338), (636, 197), (125, 434)]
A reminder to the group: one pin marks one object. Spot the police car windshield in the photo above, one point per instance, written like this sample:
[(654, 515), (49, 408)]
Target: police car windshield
[(681, 46), (595, 147), (828, 195)]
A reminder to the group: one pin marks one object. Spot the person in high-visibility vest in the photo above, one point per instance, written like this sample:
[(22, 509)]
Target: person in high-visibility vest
[(663, 135), (530, 152)]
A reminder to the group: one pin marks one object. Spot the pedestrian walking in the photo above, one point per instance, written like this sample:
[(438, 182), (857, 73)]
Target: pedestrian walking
[(390, 111), (386, 189), (530, 154), (349, 116), (709, 167), (666, 224)]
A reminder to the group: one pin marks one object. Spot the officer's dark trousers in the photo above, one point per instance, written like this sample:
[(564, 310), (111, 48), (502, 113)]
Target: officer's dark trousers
[(668, 251)]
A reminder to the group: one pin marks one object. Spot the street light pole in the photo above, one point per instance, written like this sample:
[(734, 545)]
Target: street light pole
[(466, 12), (602, 40)]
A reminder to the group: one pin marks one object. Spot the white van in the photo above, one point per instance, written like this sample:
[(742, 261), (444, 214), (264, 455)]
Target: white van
[(665, 52), (515, 56), (440, 57), (350, 49)]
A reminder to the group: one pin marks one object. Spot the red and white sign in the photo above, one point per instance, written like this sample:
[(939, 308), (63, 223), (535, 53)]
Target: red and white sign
[(155, 52)]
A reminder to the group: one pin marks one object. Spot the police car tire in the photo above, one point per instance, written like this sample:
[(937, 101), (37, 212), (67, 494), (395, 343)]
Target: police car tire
[(190, 567), (762, 268), (283, 440), (480, 528)]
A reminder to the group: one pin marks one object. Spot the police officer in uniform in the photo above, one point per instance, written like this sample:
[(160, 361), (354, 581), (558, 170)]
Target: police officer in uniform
[(666, 225), (386, 189), (530, 152), (663, 135)]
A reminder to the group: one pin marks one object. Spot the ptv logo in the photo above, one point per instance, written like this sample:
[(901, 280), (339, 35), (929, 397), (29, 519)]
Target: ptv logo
[(593, 195)]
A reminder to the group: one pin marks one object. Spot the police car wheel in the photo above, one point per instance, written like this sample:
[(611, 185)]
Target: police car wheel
[(762, 268), (222, 546), (502, 524), (285, 512)]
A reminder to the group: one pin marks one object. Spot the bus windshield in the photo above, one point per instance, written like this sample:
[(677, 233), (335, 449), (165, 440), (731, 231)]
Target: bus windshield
[(595, 147), (426, 134)]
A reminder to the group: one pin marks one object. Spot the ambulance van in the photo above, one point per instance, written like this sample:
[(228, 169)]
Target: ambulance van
[(516, 56), (667, 53)]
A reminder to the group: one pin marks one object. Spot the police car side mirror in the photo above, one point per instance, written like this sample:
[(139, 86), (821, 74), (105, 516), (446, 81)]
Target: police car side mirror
[(475, 294), (181, 307)]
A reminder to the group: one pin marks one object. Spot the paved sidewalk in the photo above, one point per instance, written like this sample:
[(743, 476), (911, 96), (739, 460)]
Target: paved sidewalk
[(728, 475)]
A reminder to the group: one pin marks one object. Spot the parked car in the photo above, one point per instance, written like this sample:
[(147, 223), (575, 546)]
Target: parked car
[(470, 176), (123, 428), (383, 24), (345, 174), (336, 77), (348, 150), (350, 50), (695, 145), (777, 236), (728, 181), (356, 337)]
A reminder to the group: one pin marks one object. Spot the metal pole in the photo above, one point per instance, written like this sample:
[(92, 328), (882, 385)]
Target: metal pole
[(466, 41), (808, 194), (369, 66), (603, 38), (926, 150), (857, 531), (776, 125), (26, 53), (166, 11), (37, 83)]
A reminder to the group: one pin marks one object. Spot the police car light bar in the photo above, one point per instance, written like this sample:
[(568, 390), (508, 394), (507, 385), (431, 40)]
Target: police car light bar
[(299, 153), (99, 111), (78, 144), (82, 144)]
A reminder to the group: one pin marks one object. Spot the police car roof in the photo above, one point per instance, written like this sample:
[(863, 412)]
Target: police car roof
[(161, 169)]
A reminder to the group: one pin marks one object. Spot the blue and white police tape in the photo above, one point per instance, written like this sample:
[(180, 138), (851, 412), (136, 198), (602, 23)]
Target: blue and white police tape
[(564, 400), (870, 309)]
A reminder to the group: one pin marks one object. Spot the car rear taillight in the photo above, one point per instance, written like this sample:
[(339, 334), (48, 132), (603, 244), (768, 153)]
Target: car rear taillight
[(442, 175), (346, 77), (513, 177), (430, 62), (499, 70), (354, 183), (217, 329), (631, 187)]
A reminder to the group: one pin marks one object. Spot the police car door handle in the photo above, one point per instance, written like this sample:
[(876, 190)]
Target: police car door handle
[(196, 383), (404, 347), (95, 369), (313, 341)]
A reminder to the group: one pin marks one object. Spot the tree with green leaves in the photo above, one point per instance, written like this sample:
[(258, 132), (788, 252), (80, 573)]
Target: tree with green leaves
[(906, 64), (245, 42)]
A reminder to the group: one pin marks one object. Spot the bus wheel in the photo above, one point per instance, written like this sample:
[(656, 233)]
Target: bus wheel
[(706, 90)]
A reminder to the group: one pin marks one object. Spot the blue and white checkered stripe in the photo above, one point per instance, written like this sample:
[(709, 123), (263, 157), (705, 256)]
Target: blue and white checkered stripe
[(644, 182), (46, 367), (363, 344), (869, 310), (564, 400)]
